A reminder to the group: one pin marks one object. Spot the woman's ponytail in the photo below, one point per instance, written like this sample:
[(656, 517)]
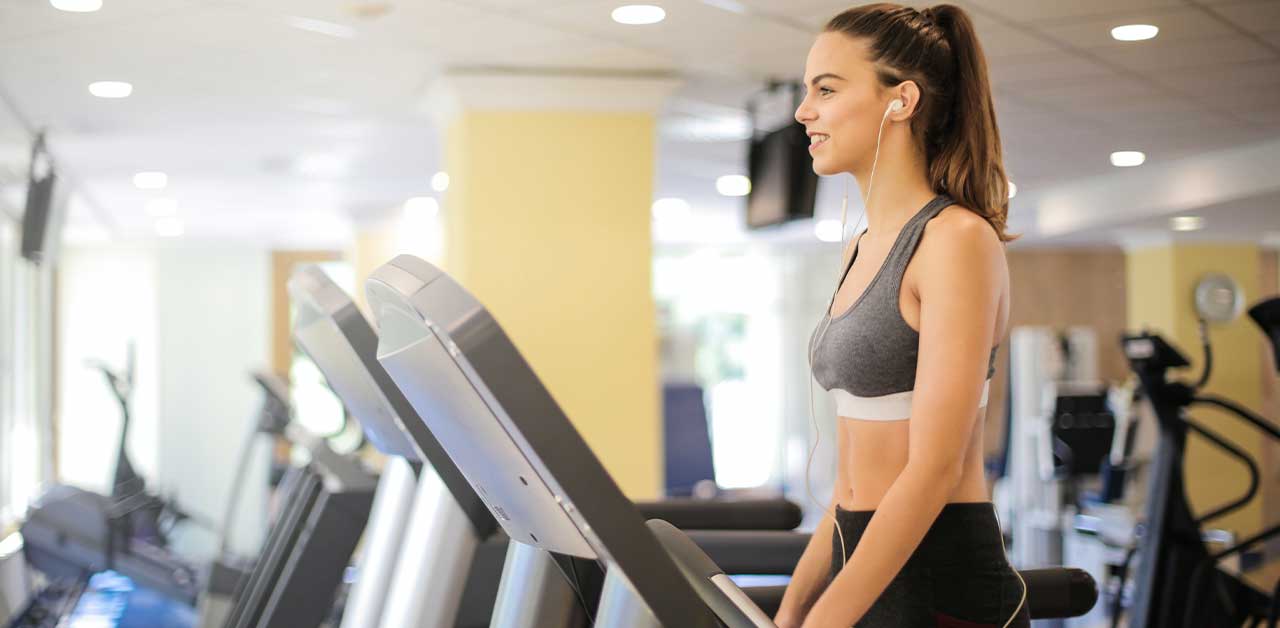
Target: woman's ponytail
[(969, 163)]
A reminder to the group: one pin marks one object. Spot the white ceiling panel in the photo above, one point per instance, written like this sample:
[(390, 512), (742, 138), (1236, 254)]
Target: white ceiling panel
[(693, 31), (1199, 53), (1257, 17), (254, 117), (1176, 24), (1032, 11), (1049, 68)]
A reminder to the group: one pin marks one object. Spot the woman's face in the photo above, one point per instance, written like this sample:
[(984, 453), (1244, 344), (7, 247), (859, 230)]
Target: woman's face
[(843, 105)]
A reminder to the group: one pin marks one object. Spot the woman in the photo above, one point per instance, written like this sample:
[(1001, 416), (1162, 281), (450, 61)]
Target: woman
[(908, 343)]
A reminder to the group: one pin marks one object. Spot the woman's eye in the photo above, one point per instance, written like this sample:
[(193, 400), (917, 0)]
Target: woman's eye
[(824, 90)]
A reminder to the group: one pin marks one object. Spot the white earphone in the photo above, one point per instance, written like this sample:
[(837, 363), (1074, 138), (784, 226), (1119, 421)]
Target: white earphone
[(895, 106)]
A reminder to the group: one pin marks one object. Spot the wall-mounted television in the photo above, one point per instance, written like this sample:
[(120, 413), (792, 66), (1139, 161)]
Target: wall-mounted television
[(45, 206), (783, 184)]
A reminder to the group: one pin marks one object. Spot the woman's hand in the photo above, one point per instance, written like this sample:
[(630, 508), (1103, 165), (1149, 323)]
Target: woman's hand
[(788, 620)]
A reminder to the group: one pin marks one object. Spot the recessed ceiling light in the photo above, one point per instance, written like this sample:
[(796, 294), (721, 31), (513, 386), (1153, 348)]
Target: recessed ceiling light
[(321, 26), (1013, 189), (1128, 158), (77, 6), (1186, 223), (638, 14), (1134, 32), (733, 185), (440, 181), (160, 207), (111, 89), (150, 180), (421, 207), (827, 230), (666, 209), (169, 227)]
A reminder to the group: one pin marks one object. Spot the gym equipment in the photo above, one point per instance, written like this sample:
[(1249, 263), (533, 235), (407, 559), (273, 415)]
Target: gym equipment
[(1178, 582), (519, 451), (332, 331), (392, 590), (323, 514)]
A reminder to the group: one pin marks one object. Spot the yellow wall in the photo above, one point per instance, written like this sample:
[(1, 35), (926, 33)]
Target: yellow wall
[(548, 223), (1161, 282)]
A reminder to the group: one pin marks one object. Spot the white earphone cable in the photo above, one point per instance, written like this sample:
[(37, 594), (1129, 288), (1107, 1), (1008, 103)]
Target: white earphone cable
[(826, 320)]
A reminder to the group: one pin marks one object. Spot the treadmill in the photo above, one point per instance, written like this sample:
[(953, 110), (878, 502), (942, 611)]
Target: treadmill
[(533, 470), (447, 523), (400, 579)]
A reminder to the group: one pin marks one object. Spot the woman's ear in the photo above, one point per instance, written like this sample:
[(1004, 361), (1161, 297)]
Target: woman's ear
[(909, 93)]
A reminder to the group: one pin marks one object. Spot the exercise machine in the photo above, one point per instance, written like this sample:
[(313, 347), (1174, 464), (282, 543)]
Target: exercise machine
[(532, 469), (1178, 580), (412, 589)]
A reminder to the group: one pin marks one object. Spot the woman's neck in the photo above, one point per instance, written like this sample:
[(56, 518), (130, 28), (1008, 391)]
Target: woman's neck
[(901, 187)]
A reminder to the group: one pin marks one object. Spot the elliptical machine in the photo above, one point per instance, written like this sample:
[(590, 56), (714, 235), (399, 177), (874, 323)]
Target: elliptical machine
[(1176, 566)]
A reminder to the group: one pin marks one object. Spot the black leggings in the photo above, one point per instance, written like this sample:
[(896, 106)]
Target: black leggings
[(958, 577)]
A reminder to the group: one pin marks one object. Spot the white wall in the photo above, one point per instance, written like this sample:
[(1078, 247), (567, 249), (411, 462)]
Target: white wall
[(214, 327), (200, 317), (106, 298)]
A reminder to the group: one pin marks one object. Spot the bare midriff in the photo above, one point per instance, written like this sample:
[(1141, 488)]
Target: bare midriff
[(876, 454)]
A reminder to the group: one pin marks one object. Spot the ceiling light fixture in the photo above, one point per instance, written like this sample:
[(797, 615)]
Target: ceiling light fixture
[(77, 6), (1186, 223), (1013, 189), (1128, 158), (1134, 32), (440, 181), (639, 14), (150, 180), (111, 89), (733, 185)]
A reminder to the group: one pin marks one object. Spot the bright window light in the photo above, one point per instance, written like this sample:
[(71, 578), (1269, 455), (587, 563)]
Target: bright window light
[(1013, 189), (169, 228), (1186, 223), (111, 89), (1128, 158), (421, 207), (638, 14), (440, 181), (827, 230), (77, 6), (150, 180), (666, 209), (1134, 32), (733, 185), (161, 207)]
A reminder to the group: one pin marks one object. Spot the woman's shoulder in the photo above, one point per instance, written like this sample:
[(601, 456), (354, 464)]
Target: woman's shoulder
[(959, 234)]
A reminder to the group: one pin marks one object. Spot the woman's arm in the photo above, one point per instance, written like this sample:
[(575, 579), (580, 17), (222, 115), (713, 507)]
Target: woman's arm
[(960, 283), (814, 569)]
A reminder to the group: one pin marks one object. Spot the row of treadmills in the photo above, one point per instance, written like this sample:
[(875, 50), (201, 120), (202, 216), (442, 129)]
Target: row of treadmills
[(492, 510)]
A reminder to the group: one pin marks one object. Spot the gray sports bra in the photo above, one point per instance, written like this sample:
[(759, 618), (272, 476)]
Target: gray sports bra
[(866, 356)]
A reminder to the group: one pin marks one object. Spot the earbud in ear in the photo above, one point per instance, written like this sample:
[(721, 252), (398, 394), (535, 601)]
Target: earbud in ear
[(896, 105)]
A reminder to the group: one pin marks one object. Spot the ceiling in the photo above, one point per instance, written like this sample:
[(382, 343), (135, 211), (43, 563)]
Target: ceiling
[(273, 133)]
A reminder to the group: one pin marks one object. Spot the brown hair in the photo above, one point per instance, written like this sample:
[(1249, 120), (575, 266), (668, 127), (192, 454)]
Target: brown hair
[(956, 119)]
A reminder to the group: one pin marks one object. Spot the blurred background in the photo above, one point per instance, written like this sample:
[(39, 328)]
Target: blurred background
[(620, 187)]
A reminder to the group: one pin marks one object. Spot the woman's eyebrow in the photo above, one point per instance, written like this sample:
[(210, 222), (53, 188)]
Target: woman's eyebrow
[(825, 75)]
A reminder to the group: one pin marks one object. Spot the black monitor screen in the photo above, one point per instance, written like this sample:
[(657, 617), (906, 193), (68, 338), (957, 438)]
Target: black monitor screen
[(783, 184), (40, 220)]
